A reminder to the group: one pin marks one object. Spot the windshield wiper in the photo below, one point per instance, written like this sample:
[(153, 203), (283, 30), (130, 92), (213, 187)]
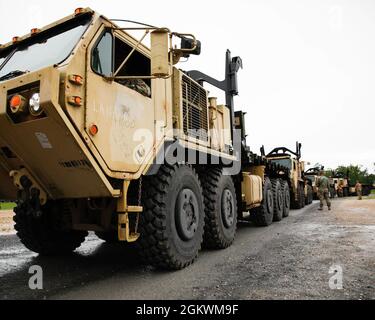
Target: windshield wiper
[(12, 74)]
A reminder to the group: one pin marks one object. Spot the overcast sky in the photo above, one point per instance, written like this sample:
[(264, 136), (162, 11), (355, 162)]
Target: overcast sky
[(309, 65)]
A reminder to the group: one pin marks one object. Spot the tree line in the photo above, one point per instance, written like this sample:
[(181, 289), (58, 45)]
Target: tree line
[(355, 173)]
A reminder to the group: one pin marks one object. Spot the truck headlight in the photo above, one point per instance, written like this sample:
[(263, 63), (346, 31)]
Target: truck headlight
[(34, 105)]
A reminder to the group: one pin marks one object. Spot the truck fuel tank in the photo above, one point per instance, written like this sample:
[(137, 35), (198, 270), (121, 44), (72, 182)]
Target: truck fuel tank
[(252, 190)]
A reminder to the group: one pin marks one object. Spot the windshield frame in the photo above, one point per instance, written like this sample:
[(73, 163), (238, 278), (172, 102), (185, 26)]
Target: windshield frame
[(279, 160), (82, 20)]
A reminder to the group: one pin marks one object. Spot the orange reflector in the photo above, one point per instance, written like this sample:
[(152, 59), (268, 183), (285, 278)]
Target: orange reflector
[(34, 31), (93, 130), (15, 39), (15, 101), (76, 79), (78, 11), (75, 101), (78, 100)]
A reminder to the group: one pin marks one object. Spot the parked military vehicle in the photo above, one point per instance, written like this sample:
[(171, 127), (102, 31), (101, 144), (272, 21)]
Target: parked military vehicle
[(340, 184), (301, 193), (311, 176), (345, 187), (100, 132)]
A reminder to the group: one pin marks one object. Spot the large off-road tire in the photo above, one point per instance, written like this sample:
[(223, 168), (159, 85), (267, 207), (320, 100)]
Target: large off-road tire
[(346, 192), (263, 215), (296, 202), (172, 223), (309, 198), (47, 235), (221, 209), (302, 196), (366, 191), (311, 195), (286, 194), (278, 200)]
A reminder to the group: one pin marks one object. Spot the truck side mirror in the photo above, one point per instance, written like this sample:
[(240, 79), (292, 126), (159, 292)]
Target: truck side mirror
[(160, 53), (188, 44)]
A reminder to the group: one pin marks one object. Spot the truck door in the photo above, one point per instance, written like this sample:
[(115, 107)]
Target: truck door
[(123, 111)]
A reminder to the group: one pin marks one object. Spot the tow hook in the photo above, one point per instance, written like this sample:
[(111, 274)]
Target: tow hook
[(30, 193)]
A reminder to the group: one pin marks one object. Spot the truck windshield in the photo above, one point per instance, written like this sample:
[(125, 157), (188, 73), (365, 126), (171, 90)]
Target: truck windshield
[(283, 162), (52, 48)]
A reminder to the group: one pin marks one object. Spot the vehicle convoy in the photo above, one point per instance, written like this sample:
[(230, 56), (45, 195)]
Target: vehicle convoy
[(345, 187), (99, 132), (301, 192), (340, 184)]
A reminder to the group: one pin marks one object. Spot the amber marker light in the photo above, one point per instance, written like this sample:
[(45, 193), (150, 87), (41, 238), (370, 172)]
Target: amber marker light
[(93, 130), (15, 39), (78, 101), (76, 79), (75, 101), (34, 31), (17, 103), (79, 11)]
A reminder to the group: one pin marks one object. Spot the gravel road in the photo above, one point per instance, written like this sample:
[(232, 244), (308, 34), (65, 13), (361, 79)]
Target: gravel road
[(288, 260)]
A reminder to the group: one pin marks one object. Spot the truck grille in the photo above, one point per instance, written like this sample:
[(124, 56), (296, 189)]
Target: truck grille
[(195, 109)]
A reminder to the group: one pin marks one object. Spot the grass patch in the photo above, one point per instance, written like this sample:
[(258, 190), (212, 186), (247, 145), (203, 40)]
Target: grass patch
[(7, 205), (371, 196)]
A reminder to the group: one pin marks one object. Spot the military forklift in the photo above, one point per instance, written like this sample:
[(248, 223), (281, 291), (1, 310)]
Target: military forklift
[(101, 132), (301, 192)]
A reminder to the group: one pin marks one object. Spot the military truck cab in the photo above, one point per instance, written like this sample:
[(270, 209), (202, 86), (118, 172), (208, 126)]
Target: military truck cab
[(300, 190), (100, 131)]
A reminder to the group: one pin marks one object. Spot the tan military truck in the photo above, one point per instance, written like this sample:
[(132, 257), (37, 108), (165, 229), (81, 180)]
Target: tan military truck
[(340, 184), (102, 132), (301, 193), (311, 176)]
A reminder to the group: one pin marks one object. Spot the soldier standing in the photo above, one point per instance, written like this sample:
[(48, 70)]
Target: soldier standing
[(358, 189), (323, 190), (340, 190)]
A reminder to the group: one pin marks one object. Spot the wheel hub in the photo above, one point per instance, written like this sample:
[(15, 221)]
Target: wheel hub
[(227, 208), (187, 214)]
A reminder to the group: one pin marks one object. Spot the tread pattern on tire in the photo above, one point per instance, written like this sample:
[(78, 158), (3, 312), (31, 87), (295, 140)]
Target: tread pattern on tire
[(286, 192), (44, 235), (277, 187), (213, 237), (297, 203), (153, 244), (311, 195), (260, 214)]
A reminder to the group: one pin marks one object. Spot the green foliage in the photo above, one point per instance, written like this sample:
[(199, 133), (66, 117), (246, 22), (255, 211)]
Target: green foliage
[(7, 205), (357, 173)]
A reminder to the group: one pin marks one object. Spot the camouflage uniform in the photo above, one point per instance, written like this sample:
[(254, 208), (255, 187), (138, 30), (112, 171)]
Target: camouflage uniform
[(323, 191), (340, 191), (358, 189), (138, 85)]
